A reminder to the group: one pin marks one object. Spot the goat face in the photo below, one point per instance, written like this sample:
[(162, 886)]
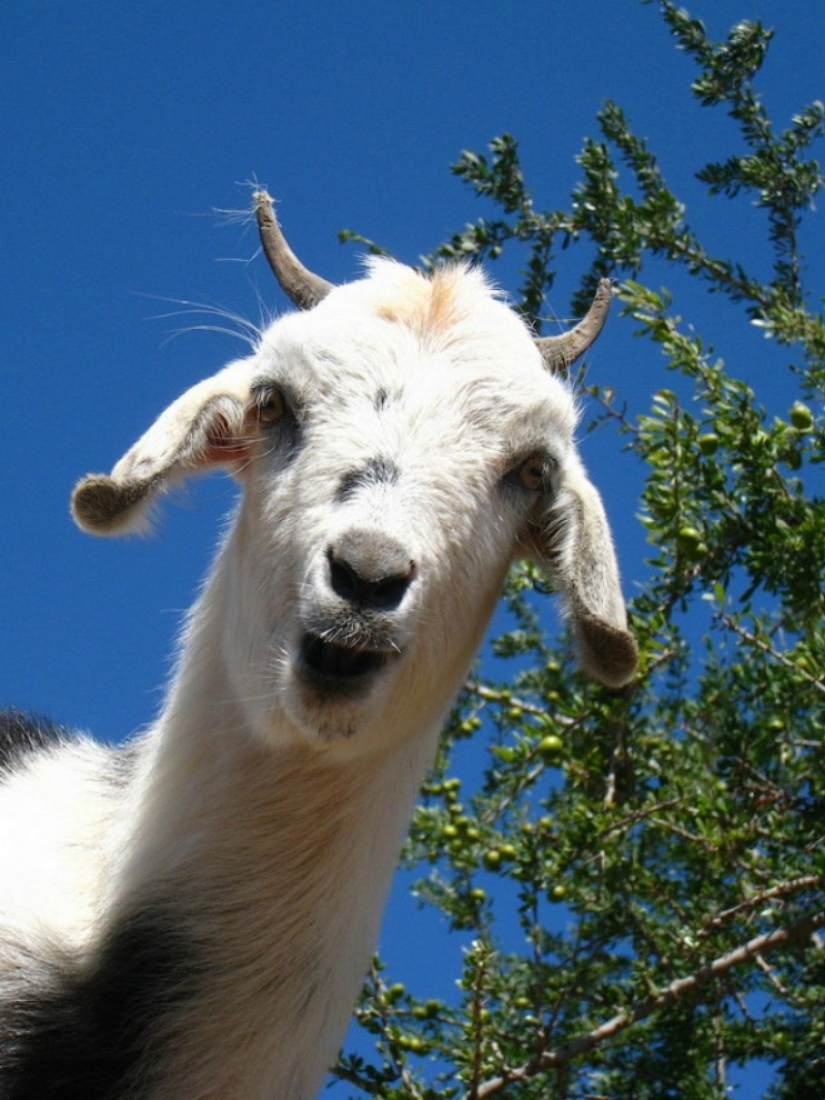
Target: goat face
[(398, 445)]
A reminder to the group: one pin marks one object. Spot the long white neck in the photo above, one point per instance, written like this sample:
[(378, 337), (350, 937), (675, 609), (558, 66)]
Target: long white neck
[(280, 858)]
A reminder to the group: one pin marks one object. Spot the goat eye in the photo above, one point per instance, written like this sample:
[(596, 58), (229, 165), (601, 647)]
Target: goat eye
[(534, 473), (271, 407)]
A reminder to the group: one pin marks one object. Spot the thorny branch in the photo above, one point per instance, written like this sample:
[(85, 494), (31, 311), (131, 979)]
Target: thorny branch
[(478, 1030), (402, 1071), (751, 639), (781, 890), (797, 932)]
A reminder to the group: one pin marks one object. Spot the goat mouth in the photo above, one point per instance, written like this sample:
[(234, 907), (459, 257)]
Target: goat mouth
[(339, 667)]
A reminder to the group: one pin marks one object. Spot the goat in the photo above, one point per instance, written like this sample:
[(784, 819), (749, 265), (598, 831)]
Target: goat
[(191, 915)]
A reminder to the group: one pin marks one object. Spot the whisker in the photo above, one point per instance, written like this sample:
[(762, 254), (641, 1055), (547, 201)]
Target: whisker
[(237, 325)]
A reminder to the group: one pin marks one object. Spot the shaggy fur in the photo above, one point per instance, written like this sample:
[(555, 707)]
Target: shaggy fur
[(190, 918), (21, 734)]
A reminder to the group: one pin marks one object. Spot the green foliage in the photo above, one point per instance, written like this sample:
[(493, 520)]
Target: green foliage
[(638, 878)]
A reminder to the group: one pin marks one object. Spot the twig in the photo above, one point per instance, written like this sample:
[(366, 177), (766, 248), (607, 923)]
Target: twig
[(751, 639), (768, 971), (679, 989), (778, 891), (478, 1029), (401, 1069)]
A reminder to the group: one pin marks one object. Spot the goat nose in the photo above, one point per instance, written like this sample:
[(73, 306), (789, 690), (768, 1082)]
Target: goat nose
[(370, 569)]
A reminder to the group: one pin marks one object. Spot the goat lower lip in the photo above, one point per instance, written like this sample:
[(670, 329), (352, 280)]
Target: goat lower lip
[(332, 662)]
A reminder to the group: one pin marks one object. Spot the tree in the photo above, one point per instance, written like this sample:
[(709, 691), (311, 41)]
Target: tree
[(661, 848)]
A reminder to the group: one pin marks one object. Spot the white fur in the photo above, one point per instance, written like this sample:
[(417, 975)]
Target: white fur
[(273, 810)]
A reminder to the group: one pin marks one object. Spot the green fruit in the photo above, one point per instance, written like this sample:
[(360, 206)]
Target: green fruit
[(688, 536), (708, 444), (550, 747), (801, 417), (491, 859), (792, 459), (558, 893), (428, 1011), (412, 1043), (689, 543)]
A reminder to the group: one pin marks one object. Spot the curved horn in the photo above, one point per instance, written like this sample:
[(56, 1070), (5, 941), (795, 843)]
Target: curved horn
[(303, 288), (560, 352)]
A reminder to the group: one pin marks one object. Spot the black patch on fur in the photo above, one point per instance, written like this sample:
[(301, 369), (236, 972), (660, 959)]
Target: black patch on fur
[(382, 399), (22, 734), (101, 1033), (377, 471)]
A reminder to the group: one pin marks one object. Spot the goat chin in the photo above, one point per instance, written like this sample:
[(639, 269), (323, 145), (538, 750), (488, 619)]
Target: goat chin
[(191, 915)]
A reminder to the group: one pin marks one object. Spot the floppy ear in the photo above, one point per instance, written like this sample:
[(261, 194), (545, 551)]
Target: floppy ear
[(203, 428), (577, 549)]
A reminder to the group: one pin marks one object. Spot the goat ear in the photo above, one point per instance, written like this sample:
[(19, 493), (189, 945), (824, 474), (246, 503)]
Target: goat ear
[(577, 549), (203, 428)]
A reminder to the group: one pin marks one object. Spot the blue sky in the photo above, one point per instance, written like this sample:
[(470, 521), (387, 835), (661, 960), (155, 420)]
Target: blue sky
[(126, 126)]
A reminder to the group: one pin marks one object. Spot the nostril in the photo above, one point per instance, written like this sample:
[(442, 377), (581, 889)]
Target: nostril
[(370, 572), (388, 593), (344, 579)]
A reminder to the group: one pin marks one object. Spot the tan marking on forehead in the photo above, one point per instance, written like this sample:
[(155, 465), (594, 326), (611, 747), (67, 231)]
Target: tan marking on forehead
[(429, 305)]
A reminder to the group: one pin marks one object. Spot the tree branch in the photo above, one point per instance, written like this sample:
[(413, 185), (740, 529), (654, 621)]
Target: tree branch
[(679, 989), (781, 890), (751, 639)]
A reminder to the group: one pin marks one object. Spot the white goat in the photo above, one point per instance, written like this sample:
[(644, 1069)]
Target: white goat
[(190, 917)]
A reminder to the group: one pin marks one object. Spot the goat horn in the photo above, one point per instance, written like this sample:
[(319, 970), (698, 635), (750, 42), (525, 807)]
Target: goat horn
[(303, 288), (560, 352)]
